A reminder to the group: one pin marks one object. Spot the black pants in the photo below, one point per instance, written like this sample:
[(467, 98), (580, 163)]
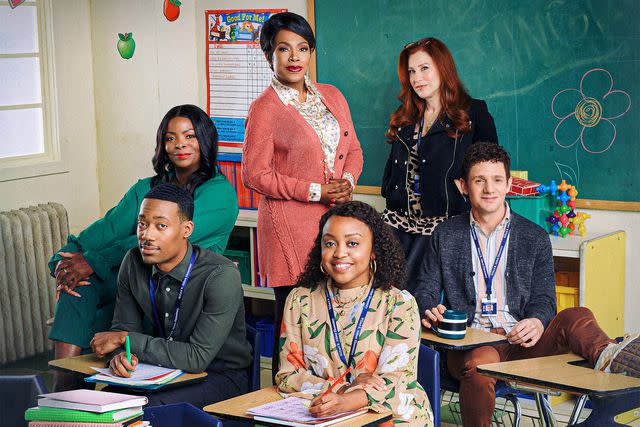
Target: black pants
[(281, 293), (415, 247), (220, 384)]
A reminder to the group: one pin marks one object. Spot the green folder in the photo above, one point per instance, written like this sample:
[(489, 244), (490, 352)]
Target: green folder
[(60, 414)]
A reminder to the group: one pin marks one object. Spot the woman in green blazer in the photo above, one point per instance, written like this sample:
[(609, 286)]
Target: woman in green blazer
[(86, 268)]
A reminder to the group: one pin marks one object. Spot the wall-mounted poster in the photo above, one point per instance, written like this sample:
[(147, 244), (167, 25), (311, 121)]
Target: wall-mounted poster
[(237, 71)]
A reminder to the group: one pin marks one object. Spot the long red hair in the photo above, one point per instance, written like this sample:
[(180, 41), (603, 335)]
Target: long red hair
[(453, 96)]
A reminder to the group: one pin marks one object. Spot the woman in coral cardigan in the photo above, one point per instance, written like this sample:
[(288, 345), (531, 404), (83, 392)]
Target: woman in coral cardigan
[(300, 153)]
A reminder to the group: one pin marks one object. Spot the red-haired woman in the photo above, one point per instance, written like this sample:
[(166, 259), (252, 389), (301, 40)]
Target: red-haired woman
[(429, 133)]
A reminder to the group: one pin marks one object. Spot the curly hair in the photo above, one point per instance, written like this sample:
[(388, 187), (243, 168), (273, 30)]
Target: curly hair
[(391, 268), (485, 152)]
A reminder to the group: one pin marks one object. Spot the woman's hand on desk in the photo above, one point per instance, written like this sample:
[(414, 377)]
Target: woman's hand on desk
[(336, 192), (72, 271), (433, 316), (104, 343), (333, 403), (121, 367)]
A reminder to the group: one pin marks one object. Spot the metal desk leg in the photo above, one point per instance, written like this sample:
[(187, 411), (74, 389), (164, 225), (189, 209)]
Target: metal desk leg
[(575, 415), (545, 411), (606, 408)]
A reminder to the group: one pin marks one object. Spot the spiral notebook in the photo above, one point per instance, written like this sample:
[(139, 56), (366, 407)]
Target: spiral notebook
[(70, 415), (133, 422), (294, 411)]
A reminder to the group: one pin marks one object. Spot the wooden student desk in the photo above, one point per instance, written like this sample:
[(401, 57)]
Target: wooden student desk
[(611, 394), (472, 339), (81, 365), (237, 407)]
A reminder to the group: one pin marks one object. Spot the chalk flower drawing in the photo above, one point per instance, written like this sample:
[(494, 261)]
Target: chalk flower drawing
[(579, 112)]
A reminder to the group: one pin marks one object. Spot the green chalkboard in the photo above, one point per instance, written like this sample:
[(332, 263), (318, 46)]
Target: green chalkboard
[(516, 55)]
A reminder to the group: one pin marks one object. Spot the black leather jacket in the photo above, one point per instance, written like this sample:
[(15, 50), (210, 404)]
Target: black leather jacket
[(440, 162)]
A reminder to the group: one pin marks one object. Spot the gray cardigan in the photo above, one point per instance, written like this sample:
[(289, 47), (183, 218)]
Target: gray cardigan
[(530, 278)]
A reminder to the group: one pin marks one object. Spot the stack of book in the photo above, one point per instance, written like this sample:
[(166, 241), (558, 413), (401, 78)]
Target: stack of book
[(87, 408)]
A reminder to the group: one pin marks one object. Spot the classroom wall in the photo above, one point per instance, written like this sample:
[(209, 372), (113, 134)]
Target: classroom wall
[(77, 189), (168, 69), (133, 95)]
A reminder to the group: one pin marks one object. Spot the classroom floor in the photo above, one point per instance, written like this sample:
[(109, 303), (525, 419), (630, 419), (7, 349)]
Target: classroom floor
[(561, 411)]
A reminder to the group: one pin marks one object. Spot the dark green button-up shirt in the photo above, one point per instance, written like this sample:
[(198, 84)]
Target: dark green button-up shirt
[(210, 326)]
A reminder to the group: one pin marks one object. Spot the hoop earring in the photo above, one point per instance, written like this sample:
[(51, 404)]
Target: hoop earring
[(374, 267), (322, 269)]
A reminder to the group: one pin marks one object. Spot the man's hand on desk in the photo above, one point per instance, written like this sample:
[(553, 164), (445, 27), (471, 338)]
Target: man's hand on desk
[(433, 316), (121, 367), (526, 332), (105, 342)]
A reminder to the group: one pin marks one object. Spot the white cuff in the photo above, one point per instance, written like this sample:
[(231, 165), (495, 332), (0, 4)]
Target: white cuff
[(349, 177), (315, 192)]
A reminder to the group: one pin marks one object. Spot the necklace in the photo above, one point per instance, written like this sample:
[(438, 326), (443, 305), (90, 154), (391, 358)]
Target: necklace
[(335, 292)]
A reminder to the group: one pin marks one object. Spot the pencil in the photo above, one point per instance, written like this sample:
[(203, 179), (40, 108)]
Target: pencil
[(127, 348), (336, 382)]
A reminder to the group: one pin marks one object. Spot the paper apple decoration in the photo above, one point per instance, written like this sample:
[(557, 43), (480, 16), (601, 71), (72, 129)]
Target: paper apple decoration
[(172, 9), (15, 3), (126, 45)]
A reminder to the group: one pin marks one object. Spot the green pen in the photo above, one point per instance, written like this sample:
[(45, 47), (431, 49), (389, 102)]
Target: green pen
[(127, 348)]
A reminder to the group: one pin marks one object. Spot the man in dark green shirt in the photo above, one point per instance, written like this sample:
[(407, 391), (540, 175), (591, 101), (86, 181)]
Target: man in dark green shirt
[(191, 296)]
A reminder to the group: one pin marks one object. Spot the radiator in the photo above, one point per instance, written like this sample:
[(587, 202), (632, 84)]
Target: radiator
[(28, 238)]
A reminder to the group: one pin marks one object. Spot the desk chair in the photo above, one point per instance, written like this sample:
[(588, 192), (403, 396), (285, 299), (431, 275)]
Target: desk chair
[(429, 378), (179, 415), (253, 336), (17, 394)]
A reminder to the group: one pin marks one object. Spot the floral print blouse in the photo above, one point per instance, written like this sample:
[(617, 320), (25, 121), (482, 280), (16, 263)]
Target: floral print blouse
[(388, 346)]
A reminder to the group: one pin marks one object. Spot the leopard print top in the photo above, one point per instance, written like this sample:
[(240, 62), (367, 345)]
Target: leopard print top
[(415, 223)]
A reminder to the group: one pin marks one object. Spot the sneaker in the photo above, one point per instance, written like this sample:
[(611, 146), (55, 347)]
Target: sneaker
[(621, 358)]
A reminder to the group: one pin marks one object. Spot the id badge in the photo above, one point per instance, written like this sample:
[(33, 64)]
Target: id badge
[(489, 307), (416, 185)]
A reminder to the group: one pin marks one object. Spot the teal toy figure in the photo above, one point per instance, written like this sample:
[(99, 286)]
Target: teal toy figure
[(565, 219), (551, 188)]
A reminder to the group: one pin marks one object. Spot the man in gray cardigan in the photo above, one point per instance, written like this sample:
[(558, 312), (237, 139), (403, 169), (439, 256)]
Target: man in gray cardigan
[(497, 267)]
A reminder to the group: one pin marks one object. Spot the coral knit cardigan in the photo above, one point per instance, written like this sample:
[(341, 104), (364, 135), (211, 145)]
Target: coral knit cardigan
[(281, 157)]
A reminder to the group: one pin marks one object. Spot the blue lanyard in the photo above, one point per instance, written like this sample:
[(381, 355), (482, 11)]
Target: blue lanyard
[(183, 285), (420, 132), (356, 334), (488, 279)]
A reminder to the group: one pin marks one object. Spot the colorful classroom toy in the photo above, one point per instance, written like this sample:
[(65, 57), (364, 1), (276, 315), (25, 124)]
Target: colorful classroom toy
[(565, 219)]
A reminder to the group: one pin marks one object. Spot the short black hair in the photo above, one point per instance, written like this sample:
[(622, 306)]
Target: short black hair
[(173, 193), (391, 267), (284, 21), (485, 152)]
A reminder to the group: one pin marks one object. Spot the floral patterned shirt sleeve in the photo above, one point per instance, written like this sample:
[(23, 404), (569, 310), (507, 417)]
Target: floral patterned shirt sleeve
[(388, 346)]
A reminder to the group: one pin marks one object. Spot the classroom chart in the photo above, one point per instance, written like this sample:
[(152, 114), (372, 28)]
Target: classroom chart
[(237, 71)]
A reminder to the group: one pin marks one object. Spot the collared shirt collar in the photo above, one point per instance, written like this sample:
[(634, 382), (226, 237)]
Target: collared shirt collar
[(288, 95), (502, 224), (179, 270)]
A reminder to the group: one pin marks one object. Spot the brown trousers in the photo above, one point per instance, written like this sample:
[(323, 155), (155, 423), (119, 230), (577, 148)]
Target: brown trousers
[(574, 329)]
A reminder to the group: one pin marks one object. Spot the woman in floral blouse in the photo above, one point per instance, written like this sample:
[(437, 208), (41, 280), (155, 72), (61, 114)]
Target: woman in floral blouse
[(349, 311)]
